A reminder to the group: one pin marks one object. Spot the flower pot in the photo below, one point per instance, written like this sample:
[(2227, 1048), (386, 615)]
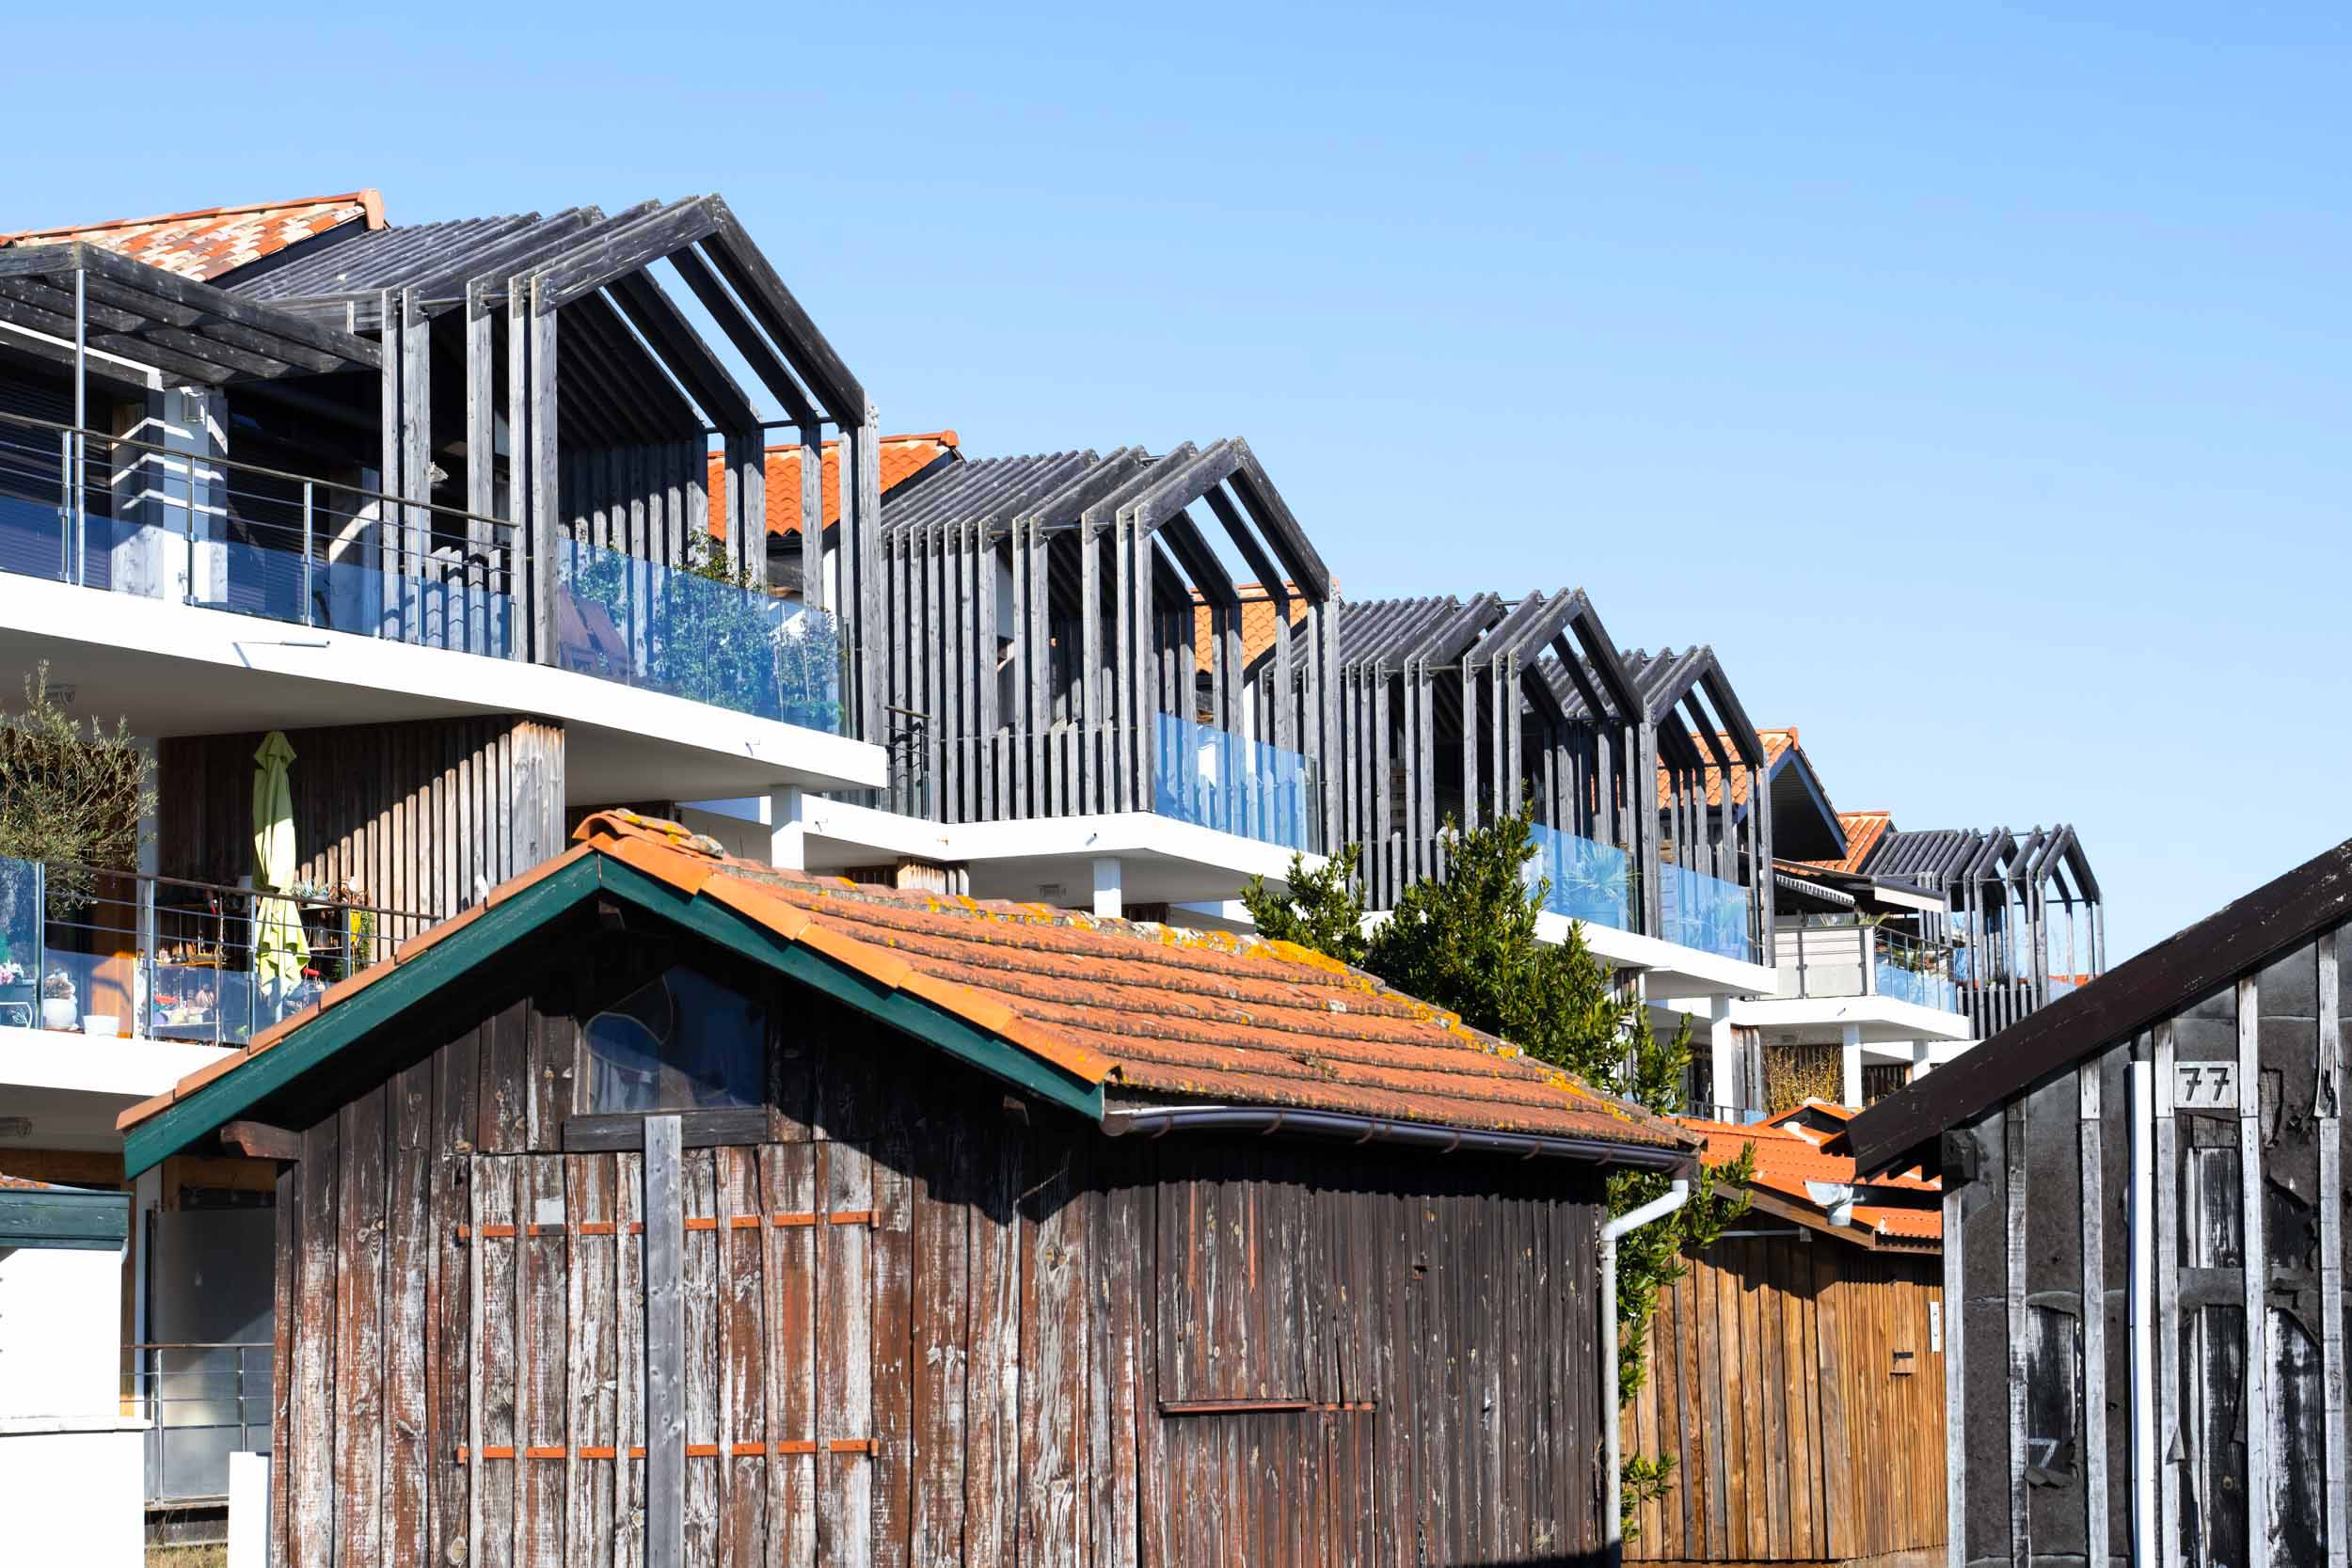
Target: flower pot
[(102, 1025), (56, 1012)]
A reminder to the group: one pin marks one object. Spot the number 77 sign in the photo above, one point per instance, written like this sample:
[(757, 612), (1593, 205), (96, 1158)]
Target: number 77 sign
[(2204, 1085)]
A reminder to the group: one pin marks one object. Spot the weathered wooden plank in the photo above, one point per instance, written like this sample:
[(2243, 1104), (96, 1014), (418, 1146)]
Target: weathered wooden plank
[(994, 1442), (592, 1380), (892, 1260), (699, 1284), (788, 1176), (286, 1304), (497, 1323), (542, 1360), (630, 1391), (742, 1535), (408, 1326), (845, 1355), (364, 1162), (2254, 1241), (665, 1343), (2328, 1093), (938, 1292)]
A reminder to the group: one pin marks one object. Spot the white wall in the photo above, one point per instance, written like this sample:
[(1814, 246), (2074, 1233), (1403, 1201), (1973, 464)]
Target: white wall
[(71, 1466), (61, 1333)]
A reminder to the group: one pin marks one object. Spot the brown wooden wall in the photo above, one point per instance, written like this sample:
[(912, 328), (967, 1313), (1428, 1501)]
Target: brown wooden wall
[(1773, 1385), (419, 815), (922, 1326)]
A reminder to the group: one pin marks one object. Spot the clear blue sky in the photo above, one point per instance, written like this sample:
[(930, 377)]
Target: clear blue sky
[(1976, 383)]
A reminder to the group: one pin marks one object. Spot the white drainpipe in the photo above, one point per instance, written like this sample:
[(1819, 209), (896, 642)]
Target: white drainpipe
[(1612, 1515)]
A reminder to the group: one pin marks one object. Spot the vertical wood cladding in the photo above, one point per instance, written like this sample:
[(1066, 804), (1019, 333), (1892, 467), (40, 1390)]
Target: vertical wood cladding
[(2241, 1371), (920, 1327), (421, 816), (1795, 1386)]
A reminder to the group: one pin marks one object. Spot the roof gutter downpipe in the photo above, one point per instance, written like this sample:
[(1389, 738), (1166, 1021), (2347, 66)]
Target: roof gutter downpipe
[(1266, 1121), (1612, 1509)]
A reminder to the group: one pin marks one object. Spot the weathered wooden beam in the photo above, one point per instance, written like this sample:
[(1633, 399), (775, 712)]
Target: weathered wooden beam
[(756, 351), (258, 1140)]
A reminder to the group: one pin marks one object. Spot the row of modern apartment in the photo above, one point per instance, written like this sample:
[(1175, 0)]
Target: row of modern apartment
[(502, 521)]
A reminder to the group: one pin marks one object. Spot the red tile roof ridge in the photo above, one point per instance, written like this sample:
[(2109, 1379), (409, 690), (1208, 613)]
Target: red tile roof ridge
[(368, 198)]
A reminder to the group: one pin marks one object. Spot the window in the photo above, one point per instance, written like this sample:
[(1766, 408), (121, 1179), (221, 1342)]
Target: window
[(679, 1041)]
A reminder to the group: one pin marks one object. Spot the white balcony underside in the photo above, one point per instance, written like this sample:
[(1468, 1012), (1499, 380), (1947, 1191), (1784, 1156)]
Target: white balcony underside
[(1669, 969), (1822, 1019), (71, 1086), (1049, 859), (171, 669)]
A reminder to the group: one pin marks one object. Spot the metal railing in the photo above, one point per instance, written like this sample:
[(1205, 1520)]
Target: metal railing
[(166, 958), (146, 518), (202, 1402)]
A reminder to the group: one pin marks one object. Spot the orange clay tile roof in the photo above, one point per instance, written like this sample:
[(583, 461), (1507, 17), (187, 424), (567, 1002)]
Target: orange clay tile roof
[(1775, 742), (902, 458), (25, 1184), (205, 245), (1786, 1159), (1864, 829), (1149, 1009), (1257, 618)]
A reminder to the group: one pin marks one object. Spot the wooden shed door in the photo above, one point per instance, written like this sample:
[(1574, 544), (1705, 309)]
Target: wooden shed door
[(672, 1356)]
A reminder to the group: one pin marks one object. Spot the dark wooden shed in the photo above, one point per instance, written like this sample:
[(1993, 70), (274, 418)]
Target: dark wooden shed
[(669, 1209), (2143, 1222)]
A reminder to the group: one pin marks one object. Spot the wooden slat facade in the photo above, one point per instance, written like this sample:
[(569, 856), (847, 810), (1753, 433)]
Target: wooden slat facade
[(920, 1322), (1796, 1382), (423, 817)]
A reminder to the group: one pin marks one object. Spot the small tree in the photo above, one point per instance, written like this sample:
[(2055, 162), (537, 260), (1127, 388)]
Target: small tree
[(1469, 944), (70, 796)]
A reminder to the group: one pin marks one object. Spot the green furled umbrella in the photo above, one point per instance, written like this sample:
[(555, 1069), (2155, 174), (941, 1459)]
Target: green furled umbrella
[(280, 948)]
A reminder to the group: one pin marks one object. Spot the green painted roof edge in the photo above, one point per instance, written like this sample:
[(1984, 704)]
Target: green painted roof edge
[(178, 1126), (64, 1219)]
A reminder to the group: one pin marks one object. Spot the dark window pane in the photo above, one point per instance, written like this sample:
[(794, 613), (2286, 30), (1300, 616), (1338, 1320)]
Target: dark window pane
[(680, 1042)]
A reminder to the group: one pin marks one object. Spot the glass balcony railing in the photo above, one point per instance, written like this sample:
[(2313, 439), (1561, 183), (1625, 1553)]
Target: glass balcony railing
[(1220, 780), (677, 630), (1705, 912), (120, 954), (1585, 880), (1910, 972), (135, 517), (1841, 955)]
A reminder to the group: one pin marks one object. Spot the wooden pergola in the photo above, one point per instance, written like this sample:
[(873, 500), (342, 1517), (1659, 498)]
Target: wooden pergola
[(1107, 577)]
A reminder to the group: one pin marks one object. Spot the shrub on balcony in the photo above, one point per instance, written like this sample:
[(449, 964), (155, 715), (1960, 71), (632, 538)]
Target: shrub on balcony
[(72, 797)]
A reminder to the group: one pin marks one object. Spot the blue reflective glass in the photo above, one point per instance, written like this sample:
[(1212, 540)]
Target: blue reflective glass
[(673, 629), (1220, 780), (1914, 976), (1704, 912), (1588, 882)]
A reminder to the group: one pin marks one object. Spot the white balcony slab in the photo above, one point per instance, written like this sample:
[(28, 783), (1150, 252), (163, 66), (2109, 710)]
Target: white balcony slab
[(1669, 968), (1048, 859), (173, 669), (1821, 1020), (85, 1064)]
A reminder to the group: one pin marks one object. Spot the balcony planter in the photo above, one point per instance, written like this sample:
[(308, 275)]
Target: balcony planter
[(56, 1001)]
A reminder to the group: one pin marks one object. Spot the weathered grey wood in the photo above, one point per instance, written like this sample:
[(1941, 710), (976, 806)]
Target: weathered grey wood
[(2257, 1263), (2094, 1315), (2013, 1199), (2328, 1112), (2170, 1473), (665, 1346), (1955, 1380), (613, 1132)]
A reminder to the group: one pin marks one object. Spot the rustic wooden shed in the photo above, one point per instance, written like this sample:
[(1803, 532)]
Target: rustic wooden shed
[(671, 1209), (1796, 1367), (2143, 1219)]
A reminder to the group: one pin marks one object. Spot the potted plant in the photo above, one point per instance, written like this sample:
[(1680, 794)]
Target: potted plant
[(56, 1001)]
